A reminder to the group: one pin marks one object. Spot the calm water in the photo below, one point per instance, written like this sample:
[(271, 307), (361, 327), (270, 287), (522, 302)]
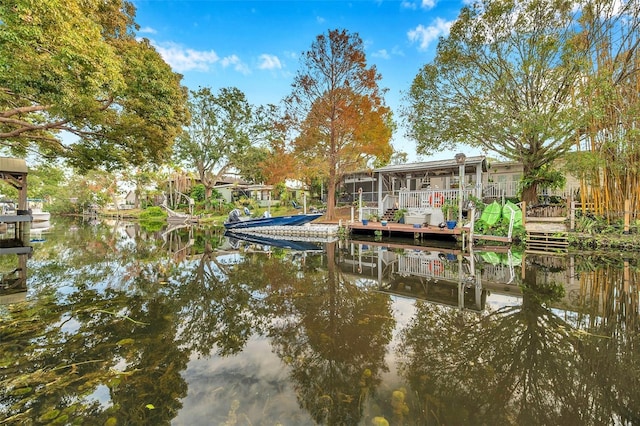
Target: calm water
[(122, 326)]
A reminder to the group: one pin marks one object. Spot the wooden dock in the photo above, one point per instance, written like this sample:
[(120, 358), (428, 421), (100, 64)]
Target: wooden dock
[(400, 229), (543, 233)]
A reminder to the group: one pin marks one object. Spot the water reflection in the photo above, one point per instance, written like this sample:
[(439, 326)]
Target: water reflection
[(14, 251), (440, 275), (187, 326)]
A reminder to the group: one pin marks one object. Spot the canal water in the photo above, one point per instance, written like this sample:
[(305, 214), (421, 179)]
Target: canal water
[(120, 325)]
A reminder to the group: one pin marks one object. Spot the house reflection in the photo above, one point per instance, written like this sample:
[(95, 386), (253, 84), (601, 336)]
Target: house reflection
[(451, 277)]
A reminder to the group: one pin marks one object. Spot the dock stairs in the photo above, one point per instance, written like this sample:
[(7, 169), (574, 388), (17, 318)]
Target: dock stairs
[(389, 215), (547, 234)]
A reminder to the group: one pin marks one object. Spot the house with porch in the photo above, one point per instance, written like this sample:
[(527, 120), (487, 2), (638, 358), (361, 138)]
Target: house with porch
[(263, 194), (422, 188), (419, 188)]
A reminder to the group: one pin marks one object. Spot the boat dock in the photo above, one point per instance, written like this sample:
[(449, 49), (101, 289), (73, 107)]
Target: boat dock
[(310, 230), (401, 228)]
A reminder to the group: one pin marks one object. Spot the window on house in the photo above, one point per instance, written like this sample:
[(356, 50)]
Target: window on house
[(425, 182)]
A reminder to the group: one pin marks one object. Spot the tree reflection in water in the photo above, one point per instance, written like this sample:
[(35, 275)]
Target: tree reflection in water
[(333, 335), (527, 363), (119, 324)]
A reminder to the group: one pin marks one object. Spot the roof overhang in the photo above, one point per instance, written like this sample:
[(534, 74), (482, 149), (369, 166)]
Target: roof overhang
[(471, 164), (13, 165)]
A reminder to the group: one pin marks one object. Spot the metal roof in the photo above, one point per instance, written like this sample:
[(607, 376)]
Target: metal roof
[(13, 165), (476, 161)]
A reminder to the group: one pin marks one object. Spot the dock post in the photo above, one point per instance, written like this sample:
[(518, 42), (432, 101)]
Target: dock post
[(572, 216), (627, 208), (472, 226)]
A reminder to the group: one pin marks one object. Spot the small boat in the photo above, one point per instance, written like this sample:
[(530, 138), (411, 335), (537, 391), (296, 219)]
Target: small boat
[(35, 209), (236, 222), (40, 216), (8, 208)]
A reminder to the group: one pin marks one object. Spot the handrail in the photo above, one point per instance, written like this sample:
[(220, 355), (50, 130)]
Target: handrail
[(388, 202), (511, 219), (430, 198)]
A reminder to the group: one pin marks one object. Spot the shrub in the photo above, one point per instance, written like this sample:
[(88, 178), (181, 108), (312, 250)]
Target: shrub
[(153, 214)]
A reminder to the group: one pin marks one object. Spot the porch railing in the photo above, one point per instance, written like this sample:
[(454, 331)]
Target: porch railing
[(431, 198), (501, 189), (511, 190)]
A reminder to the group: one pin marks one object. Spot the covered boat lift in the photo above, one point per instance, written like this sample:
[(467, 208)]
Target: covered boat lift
[(13, 285)]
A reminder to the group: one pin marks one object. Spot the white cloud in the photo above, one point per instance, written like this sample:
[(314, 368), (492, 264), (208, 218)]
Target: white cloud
[(147, 30), (382, 53), (320, 19), (183, 59), (425, 35), (408, 5), (269, 62), (238, 65), (397, 51), (424, 4)]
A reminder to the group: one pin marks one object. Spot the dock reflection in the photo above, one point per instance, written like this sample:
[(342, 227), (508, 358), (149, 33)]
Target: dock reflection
[(445, 276)]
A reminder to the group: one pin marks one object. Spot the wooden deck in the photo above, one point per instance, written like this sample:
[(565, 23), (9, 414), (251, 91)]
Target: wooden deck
[(403, 229), (549, 232)]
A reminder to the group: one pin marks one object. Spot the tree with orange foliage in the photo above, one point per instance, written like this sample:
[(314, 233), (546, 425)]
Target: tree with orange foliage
[(279, 164), (337, 112)]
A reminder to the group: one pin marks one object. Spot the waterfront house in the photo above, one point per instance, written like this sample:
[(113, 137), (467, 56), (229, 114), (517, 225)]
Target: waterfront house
[(422, 188)]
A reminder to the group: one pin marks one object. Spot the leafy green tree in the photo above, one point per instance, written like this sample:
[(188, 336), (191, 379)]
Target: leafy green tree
[(142, 178), (96, 186), (503, 80), (218, 136), (251, 167), (76, 84), (45, 181), (399, 157), (276, 159), (337, 111)]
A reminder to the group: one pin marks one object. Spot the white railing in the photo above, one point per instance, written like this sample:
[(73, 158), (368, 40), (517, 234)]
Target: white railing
[(501, 189), (366, 212), (411, 200), (511, 190), (388, 202)]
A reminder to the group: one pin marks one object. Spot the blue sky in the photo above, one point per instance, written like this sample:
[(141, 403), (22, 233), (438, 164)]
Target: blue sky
[(255, 45)]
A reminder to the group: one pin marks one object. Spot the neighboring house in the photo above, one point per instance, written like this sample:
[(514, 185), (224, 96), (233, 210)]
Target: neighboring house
[(231, 192), (496, 179), (263, 194), (129, 200)]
